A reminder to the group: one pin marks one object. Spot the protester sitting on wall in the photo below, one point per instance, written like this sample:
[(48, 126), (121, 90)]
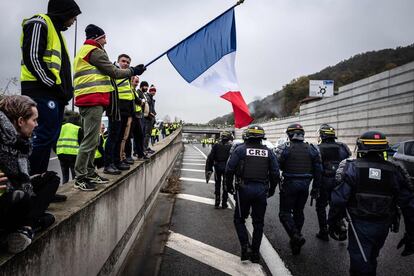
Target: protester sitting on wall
[(24, 201), (67, 146)]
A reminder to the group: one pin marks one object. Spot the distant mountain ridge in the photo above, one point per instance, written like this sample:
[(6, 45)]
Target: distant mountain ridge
[(286, 102)]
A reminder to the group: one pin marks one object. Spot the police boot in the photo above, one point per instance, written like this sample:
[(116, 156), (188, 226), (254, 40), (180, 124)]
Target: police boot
[(217, 203), (296, 243), (255, 257), (323, 234), (245, 252)]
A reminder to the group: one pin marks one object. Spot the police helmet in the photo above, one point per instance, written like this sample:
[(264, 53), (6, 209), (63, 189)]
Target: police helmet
[(327, 132), (226, 135), (372, 141), (295, 132), (255, 132)]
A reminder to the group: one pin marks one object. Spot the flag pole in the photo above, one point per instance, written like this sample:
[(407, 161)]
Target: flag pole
[(74, 55), (158, 57)]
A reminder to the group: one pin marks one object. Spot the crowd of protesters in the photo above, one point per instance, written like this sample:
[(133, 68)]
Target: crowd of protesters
[(32, 124)]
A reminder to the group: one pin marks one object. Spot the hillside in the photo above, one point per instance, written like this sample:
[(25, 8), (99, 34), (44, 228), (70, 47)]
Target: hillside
[(286, 102)]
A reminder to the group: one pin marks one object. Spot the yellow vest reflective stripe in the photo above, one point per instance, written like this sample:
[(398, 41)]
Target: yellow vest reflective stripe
[(68, 140), (87, 78), (138, 108), (125, 90), (53, 53)]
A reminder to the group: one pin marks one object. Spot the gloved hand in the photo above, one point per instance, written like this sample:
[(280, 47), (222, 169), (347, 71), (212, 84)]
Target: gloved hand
[(314, 193), (208, 175), (337, 232), (139, 69), (408, 245)]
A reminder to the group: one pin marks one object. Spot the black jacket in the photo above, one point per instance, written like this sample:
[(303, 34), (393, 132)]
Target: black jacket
[(33, 47)]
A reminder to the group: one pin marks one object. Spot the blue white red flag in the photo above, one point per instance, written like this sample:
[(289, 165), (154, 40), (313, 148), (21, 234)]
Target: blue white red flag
[(206, 60)]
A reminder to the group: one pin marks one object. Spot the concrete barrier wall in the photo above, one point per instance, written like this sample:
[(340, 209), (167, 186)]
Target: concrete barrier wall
[(95, 230), (383, 102)]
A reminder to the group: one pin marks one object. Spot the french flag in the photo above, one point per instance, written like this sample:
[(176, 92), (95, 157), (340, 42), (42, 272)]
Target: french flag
[(206, 59)]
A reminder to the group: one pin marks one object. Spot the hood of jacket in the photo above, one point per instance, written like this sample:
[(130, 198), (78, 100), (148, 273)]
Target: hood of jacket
[(62, 10)]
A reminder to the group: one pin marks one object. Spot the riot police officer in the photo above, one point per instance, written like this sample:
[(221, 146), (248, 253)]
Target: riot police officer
[(217, 158), (332, 153), (256, 167), (368, 192), (300, 162)]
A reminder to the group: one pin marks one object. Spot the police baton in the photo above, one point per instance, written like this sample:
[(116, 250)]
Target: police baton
[(238, 202), (356, 236)]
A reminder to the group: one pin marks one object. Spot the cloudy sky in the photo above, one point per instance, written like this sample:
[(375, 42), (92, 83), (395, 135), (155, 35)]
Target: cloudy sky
[(277, 40)]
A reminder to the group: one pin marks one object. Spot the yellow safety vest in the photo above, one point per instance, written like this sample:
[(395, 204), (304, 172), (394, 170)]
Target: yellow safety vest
[(68, 140), (125, 90), (138, 108), (53, 53), (97, 153), (154, 132), (87, 78)]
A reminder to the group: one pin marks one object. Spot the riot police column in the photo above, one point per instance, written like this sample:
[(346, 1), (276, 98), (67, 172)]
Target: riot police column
[(217, 158), (332, 153), (300, 162), (369, 191), (257, 174)]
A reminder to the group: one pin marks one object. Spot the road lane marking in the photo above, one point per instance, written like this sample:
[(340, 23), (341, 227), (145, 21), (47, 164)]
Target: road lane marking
[(202, 153), (199, 199), (192, 170), (273, 261), (195, 180), (53, 158), (269, 254), (194, 164), (214, 257), (188, 159)]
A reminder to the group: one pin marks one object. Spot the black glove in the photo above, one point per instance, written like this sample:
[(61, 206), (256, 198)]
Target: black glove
[(139, 69), (314, 193), (337, 232), (409, 245)]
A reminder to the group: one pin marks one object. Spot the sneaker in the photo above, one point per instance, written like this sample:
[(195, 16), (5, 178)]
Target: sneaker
[(122, 166), (129, 160), (143, 158), (46, 220), (150, 151), (59, 198), (97, 179), (84, 184), (296, 243), (111, 169), (20, 240)]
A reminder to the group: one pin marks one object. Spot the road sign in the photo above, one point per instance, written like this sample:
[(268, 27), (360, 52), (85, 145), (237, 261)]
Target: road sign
[(321, 88)]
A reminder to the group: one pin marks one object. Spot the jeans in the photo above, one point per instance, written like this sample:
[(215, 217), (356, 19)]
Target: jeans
[(45, 134)]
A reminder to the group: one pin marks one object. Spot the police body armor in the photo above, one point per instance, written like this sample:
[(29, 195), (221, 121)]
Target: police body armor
[(256, 163), (374, 197), (299, 160), (330, 153), (222, 153)]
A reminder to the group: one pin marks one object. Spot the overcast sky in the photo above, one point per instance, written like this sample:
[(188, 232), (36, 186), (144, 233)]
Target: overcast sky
[(277, 40)]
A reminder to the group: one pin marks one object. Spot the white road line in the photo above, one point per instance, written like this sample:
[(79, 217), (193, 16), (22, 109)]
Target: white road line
[(188, 159), (214, 257), (192, 170), (269, 254), (195, 180), (53, 158), (199, 199), (194, 164), (273, 261), (202, 153)]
